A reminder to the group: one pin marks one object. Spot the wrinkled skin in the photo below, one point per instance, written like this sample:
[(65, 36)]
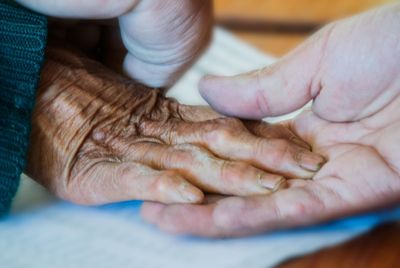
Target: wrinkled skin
[(160, 38), (352, 74), (99, 137)]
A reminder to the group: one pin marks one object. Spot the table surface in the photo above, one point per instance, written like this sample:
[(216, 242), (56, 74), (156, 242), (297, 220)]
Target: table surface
[(276, 27)]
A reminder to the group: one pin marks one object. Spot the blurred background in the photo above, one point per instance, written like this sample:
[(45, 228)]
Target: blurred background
[(275, 27)]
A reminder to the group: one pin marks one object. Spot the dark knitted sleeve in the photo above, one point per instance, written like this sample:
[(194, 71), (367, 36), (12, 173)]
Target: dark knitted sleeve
[(22, 46)]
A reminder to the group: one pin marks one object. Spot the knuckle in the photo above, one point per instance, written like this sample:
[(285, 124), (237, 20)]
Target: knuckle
[(183, 157), (191, 152), (278, 152), (230, 171), (310, 204), (220, 133), (161, 184), (165, 181), (226, 122), (241, 169), (180, 154), (223, 134), (190, 148), (224, 218)]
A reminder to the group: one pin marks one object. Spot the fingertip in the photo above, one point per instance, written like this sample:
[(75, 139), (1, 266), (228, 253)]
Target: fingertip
[(207, 86), (150, 74), (272, 182), (311, 161), (191, 194), (226, 215)]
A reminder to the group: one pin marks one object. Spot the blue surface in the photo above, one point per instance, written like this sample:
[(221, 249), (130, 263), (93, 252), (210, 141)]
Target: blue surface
[(358, 222)]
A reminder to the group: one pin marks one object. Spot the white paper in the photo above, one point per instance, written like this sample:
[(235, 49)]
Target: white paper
[(44, 232)]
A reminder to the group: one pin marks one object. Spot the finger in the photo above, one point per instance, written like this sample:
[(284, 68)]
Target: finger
[(199, 220), (106, 182), (229, 139), (328, 198), (193, 113), (80, 9), (275, 131), (275, 90), (314, 203), (206, 171), (161, 49), (236, 216)]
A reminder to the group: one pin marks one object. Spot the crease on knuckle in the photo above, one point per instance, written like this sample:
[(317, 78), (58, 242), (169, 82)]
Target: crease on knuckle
[(192, 153), (305, 209), (224, 219), (260, 96), (163, 182), (278, 153), (222, 130), (218, 136)]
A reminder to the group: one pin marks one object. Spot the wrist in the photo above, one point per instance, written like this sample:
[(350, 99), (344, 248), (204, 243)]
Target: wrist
[(62, 100)]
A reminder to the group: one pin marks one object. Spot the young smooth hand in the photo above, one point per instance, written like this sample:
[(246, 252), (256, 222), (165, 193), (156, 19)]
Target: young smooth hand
[(350, 69), (157, 40)]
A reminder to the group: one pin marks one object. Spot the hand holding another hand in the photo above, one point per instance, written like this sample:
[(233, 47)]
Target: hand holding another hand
[(351, 71)]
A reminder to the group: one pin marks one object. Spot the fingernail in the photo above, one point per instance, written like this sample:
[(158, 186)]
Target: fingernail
[(273, 183), (190, 194), (311, 161)]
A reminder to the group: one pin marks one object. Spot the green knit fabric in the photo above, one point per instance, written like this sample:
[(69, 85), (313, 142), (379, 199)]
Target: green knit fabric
[(22, 46)]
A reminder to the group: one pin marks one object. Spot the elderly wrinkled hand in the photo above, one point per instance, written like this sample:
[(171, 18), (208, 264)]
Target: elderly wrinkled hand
[(99, 137)]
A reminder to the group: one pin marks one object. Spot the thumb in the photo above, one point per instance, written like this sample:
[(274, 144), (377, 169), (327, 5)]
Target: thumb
[(274, 90), (89, 9), (162, 49)]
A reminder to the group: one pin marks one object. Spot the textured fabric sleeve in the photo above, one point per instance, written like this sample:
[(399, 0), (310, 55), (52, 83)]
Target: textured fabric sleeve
[(22, 46)]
